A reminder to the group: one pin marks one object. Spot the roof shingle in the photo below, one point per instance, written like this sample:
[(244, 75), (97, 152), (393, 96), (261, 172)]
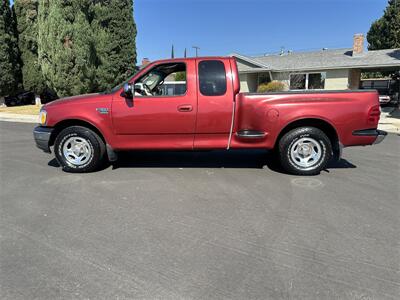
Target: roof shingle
[(324, 59)]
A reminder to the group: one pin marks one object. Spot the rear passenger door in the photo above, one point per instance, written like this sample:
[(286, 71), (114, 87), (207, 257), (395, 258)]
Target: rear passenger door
[(215, 103)]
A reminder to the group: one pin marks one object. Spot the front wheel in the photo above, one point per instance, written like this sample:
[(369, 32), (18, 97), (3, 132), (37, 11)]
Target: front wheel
[(79, 149), (305, 151)]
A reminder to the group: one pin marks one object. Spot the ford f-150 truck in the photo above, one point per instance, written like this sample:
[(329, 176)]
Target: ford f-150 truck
[(206, 111)]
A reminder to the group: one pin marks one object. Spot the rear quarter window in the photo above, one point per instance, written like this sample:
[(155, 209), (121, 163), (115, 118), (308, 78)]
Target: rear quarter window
[(212, 78)]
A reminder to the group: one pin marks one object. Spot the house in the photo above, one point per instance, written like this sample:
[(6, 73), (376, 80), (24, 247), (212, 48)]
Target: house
[(336, 69)]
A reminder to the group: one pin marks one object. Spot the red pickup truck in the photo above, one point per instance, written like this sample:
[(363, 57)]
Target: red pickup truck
[(206, 111)]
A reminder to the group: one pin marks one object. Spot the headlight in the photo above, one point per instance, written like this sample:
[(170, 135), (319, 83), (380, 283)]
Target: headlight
[(42, 117)]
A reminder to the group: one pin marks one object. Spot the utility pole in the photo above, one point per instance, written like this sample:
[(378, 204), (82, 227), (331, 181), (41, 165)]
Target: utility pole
[(172, 52), (197, 50), (184, 54)]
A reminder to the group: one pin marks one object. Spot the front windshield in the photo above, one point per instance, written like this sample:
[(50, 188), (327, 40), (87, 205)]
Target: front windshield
[(151, 79)]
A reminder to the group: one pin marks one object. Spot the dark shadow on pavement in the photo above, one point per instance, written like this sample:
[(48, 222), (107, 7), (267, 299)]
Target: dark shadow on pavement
[(189, 159), (341, 164), (53, 163), (239, 159), (395, 113), (250, 159)]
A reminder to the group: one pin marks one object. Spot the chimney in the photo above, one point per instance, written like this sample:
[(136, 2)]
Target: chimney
[(145, 62), (358, 44)]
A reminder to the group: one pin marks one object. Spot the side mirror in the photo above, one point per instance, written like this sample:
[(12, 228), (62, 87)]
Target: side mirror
[(129, 91)]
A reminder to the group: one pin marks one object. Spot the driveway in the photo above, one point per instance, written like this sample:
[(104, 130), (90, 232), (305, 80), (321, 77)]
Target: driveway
[(205, 225)]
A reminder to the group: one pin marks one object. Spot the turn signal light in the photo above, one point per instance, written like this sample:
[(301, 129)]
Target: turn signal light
[(42, 117)]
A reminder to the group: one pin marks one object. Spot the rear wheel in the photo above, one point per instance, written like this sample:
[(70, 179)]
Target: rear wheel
[(305, 151), (79, 149)]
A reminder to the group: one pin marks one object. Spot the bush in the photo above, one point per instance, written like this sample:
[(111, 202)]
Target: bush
[(273, 86)]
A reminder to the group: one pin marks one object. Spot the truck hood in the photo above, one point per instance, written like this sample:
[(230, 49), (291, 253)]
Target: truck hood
[(78, 98)]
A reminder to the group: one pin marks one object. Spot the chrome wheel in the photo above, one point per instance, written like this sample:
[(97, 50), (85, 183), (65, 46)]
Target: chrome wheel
[(305, 153), (77, 151)]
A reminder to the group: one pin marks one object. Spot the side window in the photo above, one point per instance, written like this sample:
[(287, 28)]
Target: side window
[(162, 80), (212, 78)]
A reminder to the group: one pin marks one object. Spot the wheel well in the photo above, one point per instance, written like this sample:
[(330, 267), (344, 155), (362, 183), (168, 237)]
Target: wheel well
[(72, 122), (327, 128)]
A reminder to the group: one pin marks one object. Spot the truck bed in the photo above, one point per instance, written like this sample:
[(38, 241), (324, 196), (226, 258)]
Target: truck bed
[(345, 111)]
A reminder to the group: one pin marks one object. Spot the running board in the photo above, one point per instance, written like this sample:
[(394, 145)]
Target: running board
[(250, 134)]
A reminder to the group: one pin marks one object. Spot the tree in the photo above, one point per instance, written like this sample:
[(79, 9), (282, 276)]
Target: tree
[(27, 24), (180, 76), (385, 32), (66, 48), (114, 33), (10, 67), (85, 45)]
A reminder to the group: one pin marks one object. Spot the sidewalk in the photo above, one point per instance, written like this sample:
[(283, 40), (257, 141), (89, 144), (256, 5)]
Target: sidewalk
[(9, 117), (390, 120)]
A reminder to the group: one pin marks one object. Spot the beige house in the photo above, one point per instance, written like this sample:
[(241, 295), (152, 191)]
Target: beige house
[(337, 69)]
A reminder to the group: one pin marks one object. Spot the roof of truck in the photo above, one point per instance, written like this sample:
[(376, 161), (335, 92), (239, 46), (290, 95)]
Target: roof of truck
[(192, 58)]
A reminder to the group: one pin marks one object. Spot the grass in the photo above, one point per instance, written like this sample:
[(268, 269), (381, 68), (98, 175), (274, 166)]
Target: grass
[(21, 110)]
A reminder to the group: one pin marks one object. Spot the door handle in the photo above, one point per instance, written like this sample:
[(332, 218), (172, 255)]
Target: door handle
[(185, 108)]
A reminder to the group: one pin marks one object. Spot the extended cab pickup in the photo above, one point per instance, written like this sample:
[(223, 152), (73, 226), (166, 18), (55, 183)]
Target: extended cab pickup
[(195, 104)]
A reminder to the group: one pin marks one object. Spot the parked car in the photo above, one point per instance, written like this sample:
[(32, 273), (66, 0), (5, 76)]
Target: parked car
[(47, 96), (24, 98), (307, 129), (384, 99), (388, 89)]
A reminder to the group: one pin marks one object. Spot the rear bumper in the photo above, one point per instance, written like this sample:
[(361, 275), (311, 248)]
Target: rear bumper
[(378, 134), (42, 138)]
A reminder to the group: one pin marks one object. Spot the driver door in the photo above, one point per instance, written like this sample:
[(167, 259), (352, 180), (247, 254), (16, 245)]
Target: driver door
[(165, 119)]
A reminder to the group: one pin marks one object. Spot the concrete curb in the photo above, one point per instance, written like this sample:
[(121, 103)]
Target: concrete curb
[(18, 118)]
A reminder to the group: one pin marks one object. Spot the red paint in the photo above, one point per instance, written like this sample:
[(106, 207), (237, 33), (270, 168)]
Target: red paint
[(194, 121)]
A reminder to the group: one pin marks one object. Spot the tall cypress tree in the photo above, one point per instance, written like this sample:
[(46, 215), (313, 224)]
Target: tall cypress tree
[(67, 53), (385, 32), (86, 45), (10, 67), (114, 32), (27, 23)]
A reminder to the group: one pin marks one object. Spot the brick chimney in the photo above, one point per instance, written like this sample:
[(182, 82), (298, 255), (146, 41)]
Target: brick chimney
[(358, 44), (145, 62)]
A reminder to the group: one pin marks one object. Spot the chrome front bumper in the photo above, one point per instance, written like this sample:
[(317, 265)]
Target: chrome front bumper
[(42, 138), (379, 134)]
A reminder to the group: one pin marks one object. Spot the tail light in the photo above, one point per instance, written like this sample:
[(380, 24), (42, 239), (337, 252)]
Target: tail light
[(374, 115)]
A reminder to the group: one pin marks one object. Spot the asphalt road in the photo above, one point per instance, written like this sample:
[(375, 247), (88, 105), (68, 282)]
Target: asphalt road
[(207, 225)]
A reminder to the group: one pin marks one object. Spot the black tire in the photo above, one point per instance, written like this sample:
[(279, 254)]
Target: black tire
[(288, 145), (94, 143)]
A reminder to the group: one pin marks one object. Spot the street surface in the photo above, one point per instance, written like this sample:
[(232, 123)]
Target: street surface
[(202, 225)]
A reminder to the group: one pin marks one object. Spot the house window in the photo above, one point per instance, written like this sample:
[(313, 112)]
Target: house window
[(316, 81), (298, 81), (307, 81)]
